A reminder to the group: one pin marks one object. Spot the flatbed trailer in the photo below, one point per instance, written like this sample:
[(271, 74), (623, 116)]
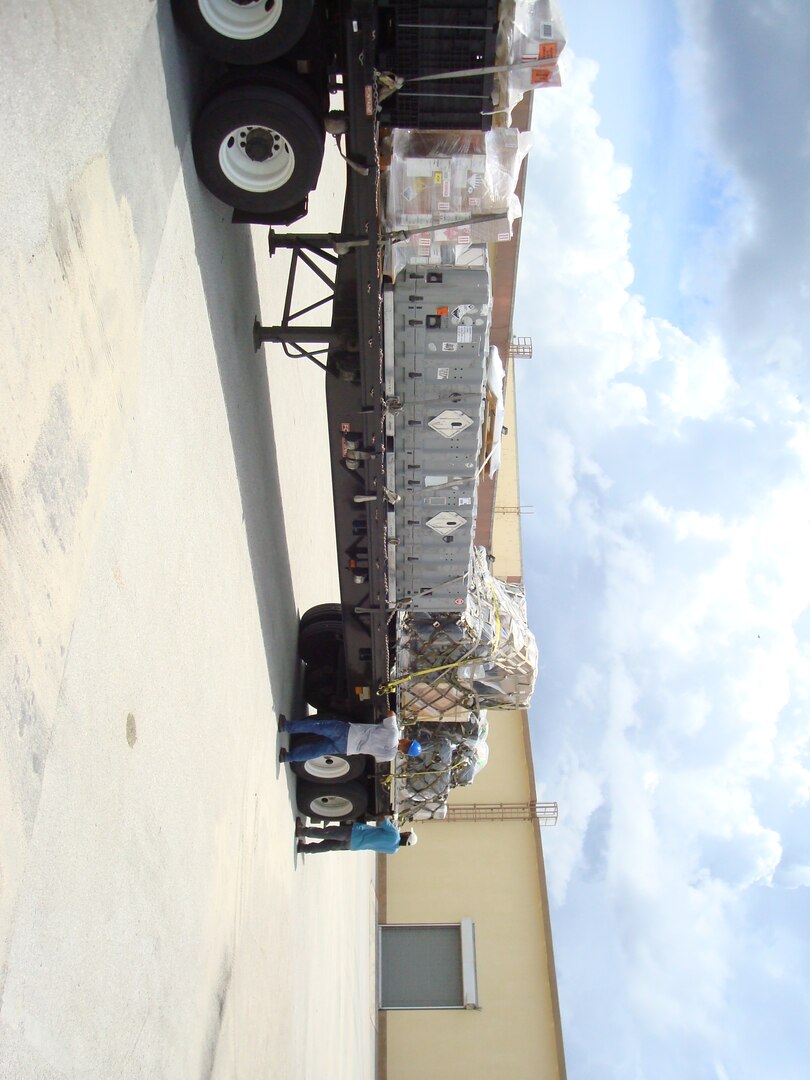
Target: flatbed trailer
[(344, 670), (347, 648)]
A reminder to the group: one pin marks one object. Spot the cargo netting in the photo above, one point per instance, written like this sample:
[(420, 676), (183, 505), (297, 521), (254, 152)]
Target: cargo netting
[(453, 753), (483, 658)]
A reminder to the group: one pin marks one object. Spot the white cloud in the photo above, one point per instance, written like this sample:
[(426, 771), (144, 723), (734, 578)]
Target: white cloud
[(680, 959), (675, 561), (579, 794), (561, 463), (795, 877), (700, 380), (754, 127)]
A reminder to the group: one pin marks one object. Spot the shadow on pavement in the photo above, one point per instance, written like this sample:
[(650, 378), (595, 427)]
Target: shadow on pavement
[(225, 257)]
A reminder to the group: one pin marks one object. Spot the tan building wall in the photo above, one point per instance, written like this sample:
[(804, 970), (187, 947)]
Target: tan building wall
[(491, 872), (506, 538), (503, 261)]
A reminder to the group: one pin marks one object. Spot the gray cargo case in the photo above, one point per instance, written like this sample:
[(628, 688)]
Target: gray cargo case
[(441, 319)]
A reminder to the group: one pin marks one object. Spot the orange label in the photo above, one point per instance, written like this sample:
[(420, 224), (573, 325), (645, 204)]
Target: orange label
[(442, 311)]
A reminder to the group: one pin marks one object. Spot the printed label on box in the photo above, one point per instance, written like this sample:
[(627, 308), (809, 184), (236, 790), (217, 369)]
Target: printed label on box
[(418, 167), (464, 335)]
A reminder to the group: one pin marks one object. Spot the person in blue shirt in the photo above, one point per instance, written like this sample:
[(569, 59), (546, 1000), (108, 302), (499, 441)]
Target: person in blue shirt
[(384, 838)]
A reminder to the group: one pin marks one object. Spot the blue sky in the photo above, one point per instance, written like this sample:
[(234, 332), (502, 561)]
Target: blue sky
[(665, 449)]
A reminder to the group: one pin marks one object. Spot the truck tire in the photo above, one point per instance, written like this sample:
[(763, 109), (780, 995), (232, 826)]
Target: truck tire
[(331, 802), (258, 148), (330, 768), (320, 687), (330, 612), (319, 640), (307, 90), (244, 31)]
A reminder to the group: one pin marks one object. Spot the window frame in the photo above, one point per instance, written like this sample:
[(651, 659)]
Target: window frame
[(469, 968)]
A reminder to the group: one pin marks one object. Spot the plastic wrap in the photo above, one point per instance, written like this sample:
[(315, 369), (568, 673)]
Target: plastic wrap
[(453, 753), (459, 187), (469, 762), (495, 379), (531, 38), (423, 782)]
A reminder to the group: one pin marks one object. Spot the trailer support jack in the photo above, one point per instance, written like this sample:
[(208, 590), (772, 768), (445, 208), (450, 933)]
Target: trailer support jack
[(292, 334)]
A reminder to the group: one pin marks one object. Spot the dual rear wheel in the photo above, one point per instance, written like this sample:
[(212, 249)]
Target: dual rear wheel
[(244, 31), (335, 802), (258, 139), (258, 146), (328, 789)]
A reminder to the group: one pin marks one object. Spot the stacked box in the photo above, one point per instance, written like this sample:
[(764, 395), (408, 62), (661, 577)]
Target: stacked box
[(531, 38), (447, 183), (441, 344)]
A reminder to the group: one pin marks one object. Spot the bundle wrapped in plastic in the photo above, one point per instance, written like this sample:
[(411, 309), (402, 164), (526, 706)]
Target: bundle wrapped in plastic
[(485, 657), (468, 739), (495, 409), (456, 187), (531, 37), (423, 782), (469, 760), (453, 753), (429, 811)]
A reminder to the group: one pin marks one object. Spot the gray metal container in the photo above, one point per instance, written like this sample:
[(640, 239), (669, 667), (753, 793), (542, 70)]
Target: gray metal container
[(442, 317)]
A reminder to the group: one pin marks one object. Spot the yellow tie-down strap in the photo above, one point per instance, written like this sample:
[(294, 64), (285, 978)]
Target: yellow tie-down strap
[(390, 687)]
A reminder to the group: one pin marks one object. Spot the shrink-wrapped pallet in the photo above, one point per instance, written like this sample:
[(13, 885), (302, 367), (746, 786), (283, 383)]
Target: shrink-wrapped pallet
[(451, 190)]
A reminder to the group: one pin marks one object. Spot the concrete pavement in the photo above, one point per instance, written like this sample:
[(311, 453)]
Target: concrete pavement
[(156, 551)]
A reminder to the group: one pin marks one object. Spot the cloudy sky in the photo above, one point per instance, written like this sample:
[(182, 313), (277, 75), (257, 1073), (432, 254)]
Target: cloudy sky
[(665, 450)]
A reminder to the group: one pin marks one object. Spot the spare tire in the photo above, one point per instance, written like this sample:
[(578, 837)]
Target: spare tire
[(320, 640), (328, 612), (321, 688)]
